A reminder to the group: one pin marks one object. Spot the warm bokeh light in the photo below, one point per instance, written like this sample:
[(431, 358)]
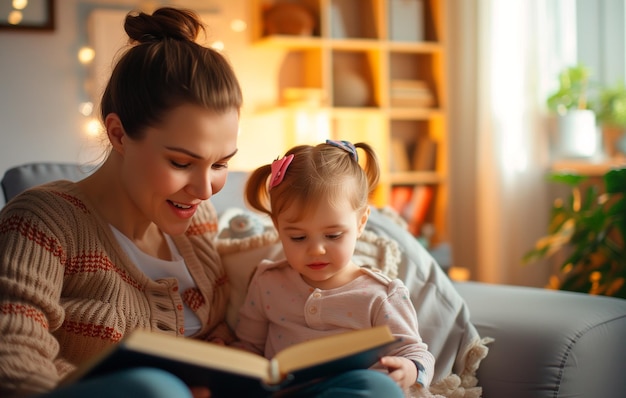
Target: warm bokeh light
[(15, 17), (459, 274), (19, 4), (238, 25), (218, 45), (86, 108), (86, 55), (93, 127)]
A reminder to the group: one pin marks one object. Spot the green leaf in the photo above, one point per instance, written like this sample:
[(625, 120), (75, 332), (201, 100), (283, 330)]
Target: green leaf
[(615, 181), (571, 179)]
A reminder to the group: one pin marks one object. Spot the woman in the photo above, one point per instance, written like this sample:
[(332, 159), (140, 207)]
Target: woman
[(84, 264)]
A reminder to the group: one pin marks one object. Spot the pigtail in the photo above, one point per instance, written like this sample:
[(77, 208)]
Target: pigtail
[(371, 166), (256, 193)]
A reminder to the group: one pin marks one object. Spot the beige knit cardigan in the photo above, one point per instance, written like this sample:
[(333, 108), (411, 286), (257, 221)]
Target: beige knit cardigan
[(69, 291)]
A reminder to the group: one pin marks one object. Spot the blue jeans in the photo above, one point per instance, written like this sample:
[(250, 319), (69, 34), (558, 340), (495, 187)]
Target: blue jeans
[(131, 383), (155, 383), (354, 384)]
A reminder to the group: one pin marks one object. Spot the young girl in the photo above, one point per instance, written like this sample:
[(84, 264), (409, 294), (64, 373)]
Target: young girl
[(317, 198)]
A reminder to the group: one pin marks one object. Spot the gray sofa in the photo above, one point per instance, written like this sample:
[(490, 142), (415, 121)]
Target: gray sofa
[(547, 343)]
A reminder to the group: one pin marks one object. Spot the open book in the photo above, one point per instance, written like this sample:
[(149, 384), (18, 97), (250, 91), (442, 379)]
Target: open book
[(228, 371)]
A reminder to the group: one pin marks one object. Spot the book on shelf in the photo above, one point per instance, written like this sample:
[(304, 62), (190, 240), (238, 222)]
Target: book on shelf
[(417, 210), (399, 155), (407, 93), (406, 20), (424, 154), (232, 372), (400, 198)]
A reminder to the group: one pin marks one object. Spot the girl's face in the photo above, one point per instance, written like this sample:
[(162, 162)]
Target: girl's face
[(178, 164), (320, 245)]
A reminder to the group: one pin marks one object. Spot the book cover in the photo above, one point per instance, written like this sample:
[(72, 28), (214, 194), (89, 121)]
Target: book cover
[(230, 372), (420, 204), (400, 198)]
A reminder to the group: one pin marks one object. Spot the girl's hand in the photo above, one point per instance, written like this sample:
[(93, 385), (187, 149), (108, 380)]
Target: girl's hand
[(401, 370)]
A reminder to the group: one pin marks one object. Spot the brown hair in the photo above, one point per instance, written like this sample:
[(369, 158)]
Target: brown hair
[(316, 172), (166, 68)]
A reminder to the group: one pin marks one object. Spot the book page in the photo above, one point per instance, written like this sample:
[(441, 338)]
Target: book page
[(325, 349), (201, 353)]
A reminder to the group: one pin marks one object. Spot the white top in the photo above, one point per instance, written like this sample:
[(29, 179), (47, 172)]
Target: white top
[(156, 269)]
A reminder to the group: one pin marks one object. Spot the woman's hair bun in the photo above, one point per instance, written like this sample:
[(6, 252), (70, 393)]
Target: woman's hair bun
[(166, 22)]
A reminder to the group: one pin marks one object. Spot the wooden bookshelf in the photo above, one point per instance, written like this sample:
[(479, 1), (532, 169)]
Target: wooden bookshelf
[(398, 67)]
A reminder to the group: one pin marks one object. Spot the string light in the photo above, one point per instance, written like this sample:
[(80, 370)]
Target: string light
[(86, 55)]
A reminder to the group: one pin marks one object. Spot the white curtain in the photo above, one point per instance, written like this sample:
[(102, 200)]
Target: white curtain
[(504, 59)]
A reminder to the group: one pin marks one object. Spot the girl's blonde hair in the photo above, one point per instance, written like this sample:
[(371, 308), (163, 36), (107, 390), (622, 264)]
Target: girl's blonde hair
[(316, 172)]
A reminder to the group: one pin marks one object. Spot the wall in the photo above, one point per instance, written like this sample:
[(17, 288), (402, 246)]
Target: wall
[(39, 84), (42, 85)]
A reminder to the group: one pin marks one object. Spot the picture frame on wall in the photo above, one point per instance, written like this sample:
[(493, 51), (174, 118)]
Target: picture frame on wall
[(31, 15)]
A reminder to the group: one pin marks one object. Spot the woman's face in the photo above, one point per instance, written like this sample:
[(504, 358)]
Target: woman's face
[(178, 164)]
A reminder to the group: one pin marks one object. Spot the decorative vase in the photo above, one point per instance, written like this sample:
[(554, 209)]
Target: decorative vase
[(289, 19), (349, 88)]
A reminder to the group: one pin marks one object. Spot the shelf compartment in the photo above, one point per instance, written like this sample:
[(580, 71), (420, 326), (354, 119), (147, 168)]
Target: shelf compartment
[(356, 78), (427, 13), (406, 66), (301, 69), (356, 19), (406, 20), (412, 147), (277, 17)]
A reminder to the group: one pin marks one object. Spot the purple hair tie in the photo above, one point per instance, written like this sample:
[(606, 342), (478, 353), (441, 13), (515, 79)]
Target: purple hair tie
[(346, 146), (279, 168)]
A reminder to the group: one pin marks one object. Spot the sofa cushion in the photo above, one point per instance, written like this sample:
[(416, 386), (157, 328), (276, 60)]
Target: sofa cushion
[(549, 343)]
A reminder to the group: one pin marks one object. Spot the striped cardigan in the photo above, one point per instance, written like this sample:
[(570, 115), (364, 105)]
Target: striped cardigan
[(68, 290)]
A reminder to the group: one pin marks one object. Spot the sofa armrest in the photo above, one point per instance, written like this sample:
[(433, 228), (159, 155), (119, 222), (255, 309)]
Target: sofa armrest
[(548, 343)]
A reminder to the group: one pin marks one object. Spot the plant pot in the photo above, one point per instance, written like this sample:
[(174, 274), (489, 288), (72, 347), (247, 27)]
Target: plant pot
[(614, 141), (578, 136)]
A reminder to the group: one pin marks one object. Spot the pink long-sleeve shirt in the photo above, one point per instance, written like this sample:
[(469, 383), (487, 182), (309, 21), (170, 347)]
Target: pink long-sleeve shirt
[(281, 309)]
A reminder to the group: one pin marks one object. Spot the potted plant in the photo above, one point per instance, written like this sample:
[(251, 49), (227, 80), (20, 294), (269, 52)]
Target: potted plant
[(577, 132), (589, 229), (611, 115)]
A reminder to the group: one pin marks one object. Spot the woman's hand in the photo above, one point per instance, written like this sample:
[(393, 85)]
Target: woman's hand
[(401, 370)]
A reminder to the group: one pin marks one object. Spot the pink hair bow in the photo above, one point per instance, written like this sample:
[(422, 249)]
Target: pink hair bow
[(346, 146), (279, 167)]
